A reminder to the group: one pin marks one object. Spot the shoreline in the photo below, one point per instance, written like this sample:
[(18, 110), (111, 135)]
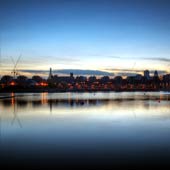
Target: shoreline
[(76, 91)]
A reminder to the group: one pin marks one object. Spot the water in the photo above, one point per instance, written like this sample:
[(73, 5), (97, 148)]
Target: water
[(85, 129)]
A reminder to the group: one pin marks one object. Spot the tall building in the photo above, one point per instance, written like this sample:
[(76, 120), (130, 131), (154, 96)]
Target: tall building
[(147, 74), (71, 75), (50, 74), (155, 73)]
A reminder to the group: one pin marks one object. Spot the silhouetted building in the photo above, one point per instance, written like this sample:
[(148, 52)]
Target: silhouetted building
[(105, 79), (147, 74), (22, 78), (156, 73), (138, 77), (92, 79), (64, 79), (81, 79), (131, 79), (166, 78), (118, 79), (71, 75), (50, 74), (81, 83)]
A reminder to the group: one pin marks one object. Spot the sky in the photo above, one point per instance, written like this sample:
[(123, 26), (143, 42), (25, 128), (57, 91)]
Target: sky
[(114, 36)]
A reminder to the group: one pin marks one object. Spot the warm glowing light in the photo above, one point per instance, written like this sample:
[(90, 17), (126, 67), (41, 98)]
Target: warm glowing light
[(12, 83), (43, 84)]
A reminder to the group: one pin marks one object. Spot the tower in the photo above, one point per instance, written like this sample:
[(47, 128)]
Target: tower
[(71, 75), (147, 74), (50, 74), (156, 73)]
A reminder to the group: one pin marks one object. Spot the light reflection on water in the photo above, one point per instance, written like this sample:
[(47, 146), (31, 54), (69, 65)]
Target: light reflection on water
[(85, 122), (87, 104)]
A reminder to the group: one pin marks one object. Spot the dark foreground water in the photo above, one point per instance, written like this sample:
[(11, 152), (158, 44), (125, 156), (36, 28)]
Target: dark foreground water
[(85, 130)]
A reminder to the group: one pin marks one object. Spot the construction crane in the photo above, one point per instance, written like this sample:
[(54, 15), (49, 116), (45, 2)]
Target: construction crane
[(15, 71)]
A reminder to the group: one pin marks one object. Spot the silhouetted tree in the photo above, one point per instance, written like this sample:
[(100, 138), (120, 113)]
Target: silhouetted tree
[(37, 79), (6, 79)]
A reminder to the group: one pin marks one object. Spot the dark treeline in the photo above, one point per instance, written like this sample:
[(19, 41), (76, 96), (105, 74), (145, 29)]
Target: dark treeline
[(55, 83)]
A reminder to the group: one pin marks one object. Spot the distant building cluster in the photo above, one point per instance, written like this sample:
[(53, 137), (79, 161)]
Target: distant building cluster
[(92, 83)]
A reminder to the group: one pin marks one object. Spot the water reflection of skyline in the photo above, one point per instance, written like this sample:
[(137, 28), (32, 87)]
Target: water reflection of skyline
[(74, 102), (44, 103), (43, 100), (47, 124), (13, 105)]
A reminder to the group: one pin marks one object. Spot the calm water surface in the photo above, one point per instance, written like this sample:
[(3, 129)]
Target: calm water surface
[(89, 129)]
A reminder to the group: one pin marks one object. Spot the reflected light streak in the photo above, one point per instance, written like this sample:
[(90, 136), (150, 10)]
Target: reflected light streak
[(12, 98), (90, 108), (44, 99)]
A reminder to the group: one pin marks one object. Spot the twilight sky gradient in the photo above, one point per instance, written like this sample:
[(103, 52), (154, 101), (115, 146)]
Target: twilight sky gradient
[(105, 35)]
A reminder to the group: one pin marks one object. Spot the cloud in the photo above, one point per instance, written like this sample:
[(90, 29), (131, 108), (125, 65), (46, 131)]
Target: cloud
[(85, 72), (157, 59), (68, 71), (25, 60), (113, 57), (67, 60), (123, 70), (132, 72), (76, 72)]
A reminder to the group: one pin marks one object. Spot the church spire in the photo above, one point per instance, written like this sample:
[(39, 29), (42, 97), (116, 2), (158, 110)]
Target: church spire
[(50, 74)]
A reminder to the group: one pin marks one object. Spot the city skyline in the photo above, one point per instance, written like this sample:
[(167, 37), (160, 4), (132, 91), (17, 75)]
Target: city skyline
[(107, 36)]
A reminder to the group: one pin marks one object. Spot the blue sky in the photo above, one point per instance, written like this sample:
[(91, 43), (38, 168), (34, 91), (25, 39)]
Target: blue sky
[(105, 35)]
